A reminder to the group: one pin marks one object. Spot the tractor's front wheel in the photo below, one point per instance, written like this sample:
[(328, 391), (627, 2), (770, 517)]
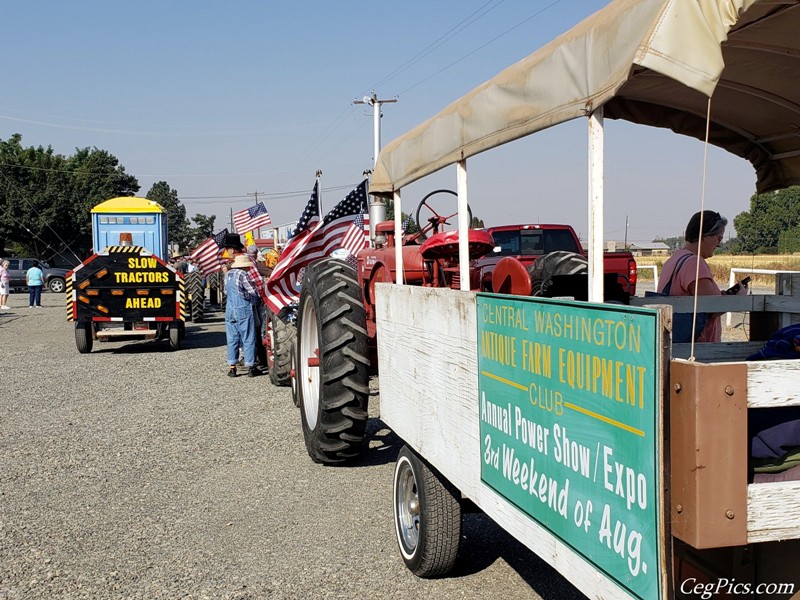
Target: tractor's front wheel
[(332, 362), (278, 341), (193, 285)]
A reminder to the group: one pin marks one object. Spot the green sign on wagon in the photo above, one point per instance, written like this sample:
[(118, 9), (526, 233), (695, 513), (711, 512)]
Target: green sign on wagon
[(569, 424)]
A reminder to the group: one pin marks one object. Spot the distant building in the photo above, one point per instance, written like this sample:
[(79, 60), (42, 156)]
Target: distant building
[(648, 248)]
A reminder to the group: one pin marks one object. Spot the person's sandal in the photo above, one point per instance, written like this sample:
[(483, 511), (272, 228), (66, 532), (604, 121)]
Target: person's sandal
[(232, 371)]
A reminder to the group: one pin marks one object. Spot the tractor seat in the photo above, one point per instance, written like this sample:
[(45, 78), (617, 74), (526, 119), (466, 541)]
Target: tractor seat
[(445, 244)]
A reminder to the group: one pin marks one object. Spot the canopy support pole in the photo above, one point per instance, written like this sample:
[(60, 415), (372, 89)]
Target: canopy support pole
[(595, 243), (463, 224), (398, 238)]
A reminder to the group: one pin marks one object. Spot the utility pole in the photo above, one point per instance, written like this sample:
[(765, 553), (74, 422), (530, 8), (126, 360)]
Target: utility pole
[(377, 208), (626, 233)]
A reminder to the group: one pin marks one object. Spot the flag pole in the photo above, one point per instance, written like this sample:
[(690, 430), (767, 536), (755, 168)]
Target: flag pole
[(319, 193)]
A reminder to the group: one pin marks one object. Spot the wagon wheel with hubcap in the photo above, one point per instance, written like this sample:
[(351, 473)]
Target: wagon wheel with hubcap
[(333, 362), (430, 220), (427, 516)]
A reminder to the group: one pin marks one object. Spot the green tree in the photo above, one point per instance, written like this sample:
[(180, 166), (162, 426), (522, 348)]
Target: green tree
[(771, 214), (45, 198), (177, 223), (203, 229), (789, 241)]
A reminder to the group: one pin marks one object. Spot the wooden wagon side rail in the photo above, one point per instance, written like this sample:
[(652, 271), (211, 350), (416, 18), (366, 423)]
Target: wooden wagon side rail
[(712, 505)]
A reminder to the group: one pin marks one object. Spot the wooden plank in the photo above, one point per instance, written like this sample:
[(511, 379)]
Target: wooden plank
[(773, 511), (427, 351), (782, 304), (754, 303), (773, 383), (717, 352), (429, 375)]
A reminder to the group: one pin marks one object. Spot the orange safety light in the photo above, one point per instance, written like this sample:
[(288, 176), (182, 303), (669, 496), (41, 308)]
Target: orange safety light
[(92, 293), (125, 239), (117, 292), (167, 292), (101, 274), (102, 308), (84, 284), (83, 299), (142, 292)]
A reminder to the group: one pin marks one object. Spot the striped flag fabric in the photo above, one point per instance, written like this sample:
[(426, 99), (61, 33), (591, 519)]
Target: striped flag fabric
[(206, 255), (312, 243), (356, 237), (310, 216), (250, 219)]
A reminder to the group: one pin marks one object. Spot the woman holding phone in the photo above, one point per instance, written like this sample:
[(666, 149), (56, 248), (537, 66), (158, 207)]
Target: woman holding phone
[(682, 274)]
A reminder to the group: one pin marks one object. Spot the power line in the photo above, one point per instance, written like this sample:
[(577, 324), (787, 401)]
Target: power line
[(444, 38), (482, 46), (273, 195)]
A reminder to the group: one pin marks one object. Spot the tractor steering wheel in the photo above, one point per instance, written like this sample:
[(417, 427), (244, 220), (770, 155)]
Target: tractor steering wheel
[(435, 221)]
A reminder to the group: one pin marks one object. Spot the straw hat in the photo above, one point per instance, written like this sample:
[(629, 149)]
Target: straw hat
[(242, 261)]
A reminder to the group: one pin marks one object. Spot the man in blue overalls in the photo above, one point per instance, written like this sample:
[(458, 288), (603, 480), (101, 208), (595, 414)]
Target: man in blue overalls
[(240, 319)]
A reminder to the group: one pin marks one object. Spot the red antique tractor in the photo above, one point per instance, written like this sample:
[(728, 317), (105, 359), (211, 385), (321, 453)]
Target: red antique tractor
[(334, 352)]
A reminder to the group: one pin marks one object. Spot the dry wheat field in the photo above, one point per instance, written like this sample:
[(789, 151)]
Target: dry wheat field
[(722, 264)]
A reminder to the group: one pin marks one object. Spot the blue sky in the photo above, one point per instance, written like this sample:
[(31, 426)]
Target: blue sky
[(224, 99)]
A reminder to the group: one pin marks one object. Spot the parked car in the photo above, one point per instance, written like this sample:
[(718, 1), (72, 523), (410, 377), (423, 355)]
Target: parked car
[(54, 279)]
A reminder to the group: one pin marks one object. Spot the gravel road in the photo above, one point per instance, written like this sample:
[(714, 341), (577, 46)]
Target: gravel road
[(137, 472)]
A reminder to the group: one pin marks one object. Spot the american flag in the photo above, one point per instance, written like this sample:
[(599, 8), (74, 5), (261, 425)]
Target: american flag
[(206, 255), (405, 224), (312, 243), (251, 218), (357, 235), (310, 216)]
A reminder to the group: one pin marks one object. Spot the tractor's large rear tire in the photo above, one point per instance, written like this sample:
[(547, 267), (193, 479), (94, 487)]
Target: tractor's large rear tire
[(193, 285), (83, 336), (555, 264), (427, 516), (278, 341), (332, 362)]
